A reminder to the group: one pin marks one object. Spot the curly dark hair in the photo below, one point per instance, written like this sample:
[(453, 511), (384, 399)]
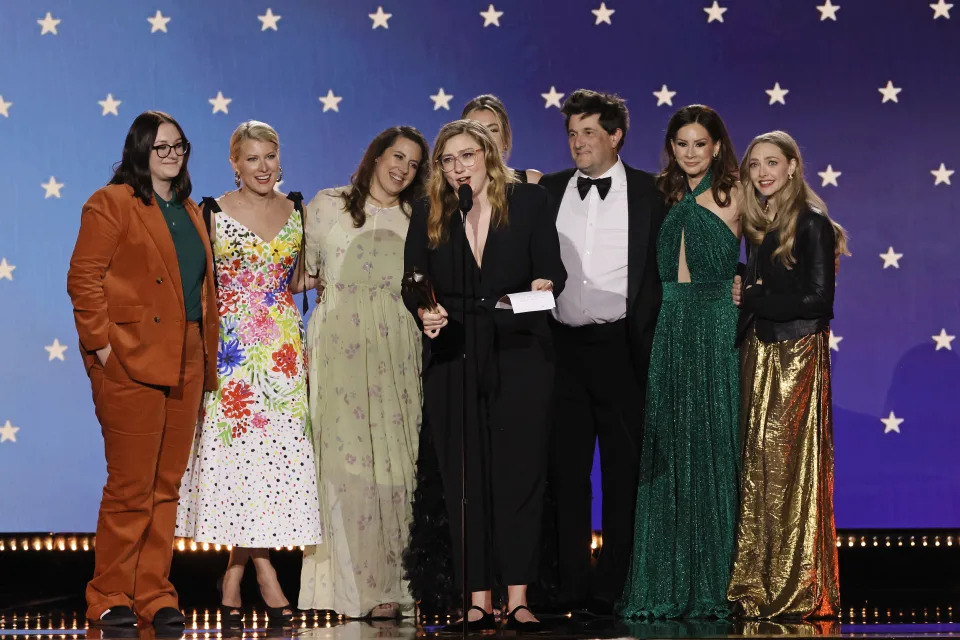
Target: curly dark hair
[(355, 198)]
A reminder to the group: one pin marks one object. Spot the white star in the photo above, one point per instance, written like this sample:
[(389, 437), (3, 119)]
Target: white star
[(52, 188), (714, 12), (48, 24), (109, 105), (777, 94), (829, 176), (891, 423), (491, 16), (889, 92), (330, 102), (55, 350), (603, 14), (942, 175), (220, 103), (891, 259), (941, 9), (828, 11), (835, 341), (943, 340), (5, 108), (8, 432), (269, 20), (664, 96), (6, 269), (552, 98), (158, 22), (380, 18), (441, 100)]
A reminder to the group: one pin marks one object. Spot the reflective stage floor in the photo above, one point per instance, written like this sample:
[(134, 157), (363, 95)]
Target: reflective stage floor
[(36, 623), (896, 585)]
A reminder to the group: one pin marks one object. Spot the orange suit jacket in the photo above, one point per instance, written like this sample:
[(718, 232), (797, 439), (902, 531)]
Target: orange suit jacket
[(124, 281)]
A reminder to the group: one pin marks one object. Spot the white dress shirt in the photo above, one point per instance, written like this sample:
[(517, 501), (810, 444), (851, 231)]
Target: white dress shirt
[(593, 246)]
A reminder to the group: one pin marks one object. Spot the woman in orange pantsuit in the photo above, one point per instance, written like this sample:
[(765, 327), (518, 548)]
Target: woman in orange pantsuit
[(142, 287)]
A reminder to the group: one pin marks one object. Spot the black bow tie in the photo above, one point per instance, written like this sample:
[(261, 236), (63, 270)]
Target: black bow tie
[(584, 184)]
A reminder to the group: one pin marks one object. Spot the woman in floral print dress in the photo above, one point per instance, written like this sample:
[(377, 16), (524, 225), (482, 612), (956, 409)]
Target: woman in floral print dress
[(365, 397), (250, 481)]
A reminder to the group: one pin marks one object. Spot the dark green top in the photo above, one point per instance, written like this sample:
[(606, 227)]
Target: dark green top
[(190, 255)]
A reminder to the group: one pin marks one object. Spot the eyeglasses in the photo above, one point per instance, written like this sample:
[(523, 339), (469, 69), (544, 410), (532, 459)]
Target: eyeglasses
[(467, 158), (163, 150)]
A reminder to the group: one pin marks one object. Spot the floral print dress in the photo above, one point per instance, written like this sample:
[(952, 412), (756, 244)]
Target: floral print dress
[(365, 403), (250, 479)]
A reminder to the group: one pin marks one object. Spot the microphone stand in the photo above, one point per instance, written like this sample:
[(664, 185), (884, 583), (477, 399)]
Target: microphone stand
[(465, 194)]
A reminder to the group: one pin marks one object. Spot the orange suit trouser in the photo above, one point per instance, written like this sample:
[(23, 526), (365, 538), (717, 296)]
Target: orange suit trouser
[(147, 434)]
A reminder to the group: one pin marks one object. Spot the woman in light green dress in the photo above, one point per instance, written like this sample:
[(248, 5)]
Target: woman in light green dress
[(364, 351)]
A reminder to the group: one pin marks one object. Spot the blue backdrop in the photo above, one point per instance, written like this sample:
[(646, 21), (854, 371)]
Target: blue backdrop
[(868, 87)]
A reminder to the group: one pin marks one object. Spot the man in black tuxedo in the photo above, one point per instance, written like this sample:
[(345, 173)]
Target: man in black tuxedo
[(608, 218)]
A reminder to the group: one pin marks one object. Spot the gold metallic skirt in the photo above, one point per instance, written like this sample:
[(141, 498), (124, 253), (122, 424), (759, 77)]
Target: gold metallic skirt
[(785, 563)]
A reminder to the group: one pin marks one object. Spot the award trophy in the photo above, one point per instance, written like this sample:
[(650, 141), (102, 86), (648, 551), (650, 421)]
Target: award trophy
[(416, 283)]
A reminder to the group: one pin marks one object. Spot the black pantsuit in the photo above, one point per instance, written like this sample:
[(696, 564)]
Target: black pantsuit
[(509, 379)]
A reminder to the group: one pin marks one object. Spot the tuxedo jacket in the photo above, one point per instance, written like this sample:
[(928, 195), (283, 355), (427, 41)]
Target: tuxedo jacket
[(124, 281), (514, 255), (646, 211)]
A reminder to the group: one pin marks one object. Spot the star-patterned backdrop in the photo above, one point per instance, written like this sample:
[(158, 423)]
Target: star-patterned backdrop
[(868, 87)]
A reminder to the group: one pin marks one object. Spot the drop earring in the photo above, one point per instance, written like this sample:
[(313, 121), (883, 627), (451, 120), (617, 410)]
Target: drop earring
[(236, 178), (280, 175)]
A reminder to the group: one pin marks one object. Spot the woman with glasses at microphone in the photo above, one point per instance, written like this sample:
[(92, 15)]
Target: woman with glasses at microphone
[(479, 236)]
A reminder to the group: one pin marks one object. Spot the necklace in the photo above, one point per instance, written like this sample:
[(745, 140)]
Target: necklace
[(379, 206)]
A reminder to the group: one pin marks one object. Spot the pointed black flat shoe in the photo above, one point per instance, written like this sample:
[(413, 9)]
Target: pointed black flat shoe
[(513, 624), (485, 623)]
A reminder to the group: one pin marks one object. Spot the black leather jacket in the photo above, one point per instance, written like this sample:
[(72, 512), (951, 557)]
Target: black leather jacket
[(790, 303)]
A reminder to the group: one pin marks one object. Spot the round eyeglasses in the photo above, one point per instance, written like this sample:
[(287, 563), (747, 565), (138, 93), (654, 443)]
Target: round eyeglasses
[(163, 150), (467, 158)]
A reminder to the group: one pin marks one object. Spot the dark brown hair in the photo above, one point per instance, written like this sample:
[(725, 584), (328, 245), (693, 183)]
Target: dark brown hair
[(355, 198), (609, 106), (134, 166), (672, 180)]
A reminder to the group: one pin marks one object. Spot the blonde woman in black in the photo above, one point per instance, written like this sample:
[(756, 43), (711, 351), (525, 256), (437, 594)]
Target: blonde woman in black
[(785, 562)]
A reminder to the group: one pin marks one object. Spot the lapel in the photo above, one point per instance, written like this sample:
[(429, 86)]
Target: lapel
[(638, 233), (156, 226), (197, 217), (556, 185)]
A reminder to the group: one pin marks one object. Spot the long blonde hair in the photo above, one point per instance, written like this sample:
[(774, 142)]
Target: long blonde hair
[(443, 199), (795, 196)]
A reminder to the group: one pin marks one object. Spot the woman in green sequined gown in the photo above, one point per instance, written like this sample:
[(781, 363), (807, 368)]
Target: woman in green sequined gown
[(687, 495)]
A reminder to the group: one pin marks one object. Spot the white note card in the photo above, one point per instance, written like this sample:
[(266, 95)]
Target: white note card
[(527, 301)]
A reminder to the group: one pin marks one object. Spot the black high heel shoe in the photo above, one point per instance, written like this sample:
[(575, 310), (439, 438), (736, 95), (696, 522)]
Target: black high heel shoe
[(276, 616), (485, 623), (230, 617), (513, 624)]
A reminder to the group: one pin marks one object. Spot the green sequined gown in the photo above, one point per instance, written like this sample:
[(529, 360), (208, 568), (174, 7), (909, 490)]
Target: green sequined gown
[(687, 495)]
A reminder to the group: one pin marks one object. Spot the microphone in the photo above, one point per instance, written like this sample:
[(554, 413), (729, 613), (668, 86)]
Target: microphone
[(465, 194)]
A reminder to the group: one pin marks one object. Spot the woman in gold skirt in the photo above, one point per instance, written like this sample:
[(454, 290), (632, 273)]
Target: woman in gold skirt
[(785, 563)]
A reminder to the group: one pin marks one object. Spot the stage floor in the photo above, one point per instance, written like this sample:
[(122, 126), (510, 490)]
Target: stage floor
[(39, 622)]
